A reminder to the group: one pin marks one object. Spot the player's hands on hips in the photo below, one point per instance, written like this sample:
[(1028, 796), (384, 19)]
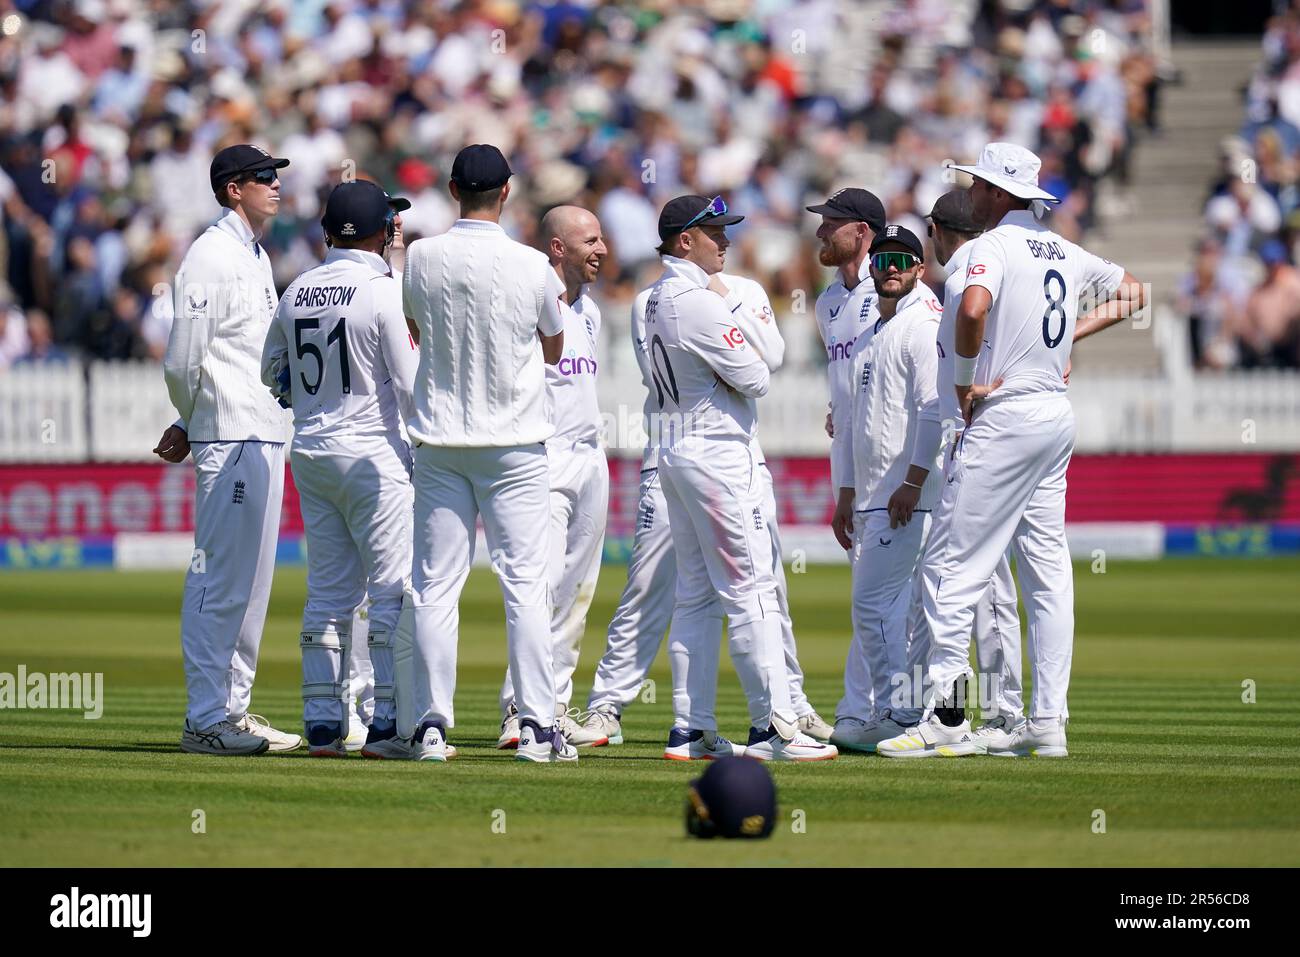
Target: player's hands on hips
[(901, 505), (971, 396), (174, 445), (842, 521), (1068, 364), (830, 426)]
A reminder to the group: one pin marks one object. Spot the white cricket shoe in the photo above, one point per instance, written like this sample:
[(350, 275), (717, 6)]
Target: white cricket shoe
[(509, 730), (566, 721), (687, 745), (854, 734), (429, 744), (598, 728), (930, 739), (222, 738), (544, 747), (997, 733), (770, 746), (358, 731), (276, 740), (812, 725), (1039, 739)]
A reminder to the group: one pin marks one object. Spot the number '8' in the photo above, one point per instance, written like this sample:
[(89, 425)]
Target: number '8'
[(1055, 307)]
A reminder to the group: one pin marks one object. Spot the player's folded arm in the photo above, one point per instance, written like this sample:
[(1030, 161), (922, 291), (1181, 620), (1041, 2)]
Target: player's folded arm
[(708, 330), (758, 324)]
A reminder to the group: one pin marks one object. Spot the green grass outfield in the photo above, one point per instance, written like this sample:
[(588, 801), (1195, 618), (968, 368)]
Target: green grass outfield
[(1160, 740)]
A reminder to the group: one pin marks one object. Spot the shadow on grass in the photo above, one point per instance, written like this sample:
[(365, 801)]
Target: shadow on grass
[(147, 748)]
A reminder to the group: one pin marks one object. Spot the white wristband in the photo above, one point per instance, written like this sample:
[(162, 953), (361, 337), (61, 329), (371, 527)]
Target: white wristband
[(963, 369)]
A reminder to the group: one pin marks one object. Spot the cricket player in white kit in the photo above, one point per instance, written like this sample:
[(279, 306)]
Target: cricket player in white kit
[(706, 379), (637, 628), (225, 297), (579, 500), (887, 446), (847, 308), (480, 301), (340, 353), (1015, 326), (997, 621)]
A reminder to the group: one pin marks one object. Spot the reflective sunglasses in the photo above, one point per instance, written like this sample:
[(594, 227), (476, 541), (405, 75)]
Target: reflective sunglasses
[(265, 176), (881, 262), (716, 207)]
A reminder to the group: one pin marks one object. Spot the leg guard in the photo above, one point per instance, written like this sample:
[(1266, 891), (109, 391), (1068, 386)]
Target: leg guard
[(380, 644), (325, 690), (403, 676)]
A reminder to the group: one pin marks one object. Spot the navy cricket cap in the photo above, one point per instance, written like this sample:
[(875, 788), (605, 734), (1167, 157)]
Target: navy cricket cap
[(236, 161), (735, 797), (358, 209), (479, 168), (856, 204), (678, 213), (953, 210), (901, 235)]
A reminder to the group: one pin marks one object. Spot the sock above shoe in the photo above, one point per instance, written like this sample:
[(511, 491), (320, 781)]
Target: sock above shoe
[(324, 732)]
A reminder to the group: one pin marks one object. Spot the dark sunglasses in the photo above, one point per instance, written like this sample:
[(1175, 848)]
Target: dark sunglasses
[(716, 207), (881, 262), (265, 176)]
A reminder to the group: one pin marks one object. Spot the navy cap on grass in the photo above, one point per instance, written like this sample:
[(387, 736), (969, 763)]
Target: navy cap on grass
[(734, 797)]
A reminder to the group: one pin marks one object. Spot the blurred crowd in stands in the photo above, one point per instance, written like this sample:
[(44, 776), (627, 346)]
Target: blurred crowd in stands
[(110, 111), (1242, 293)]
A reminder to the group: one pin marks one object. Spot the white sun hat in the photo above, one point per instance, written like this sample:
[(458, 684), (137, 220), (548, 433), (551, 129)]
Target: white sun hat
[(1012, 168)]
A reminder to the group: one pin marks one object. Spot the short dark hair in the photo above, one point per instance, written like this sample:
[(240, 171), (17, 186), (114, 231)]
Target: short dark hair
[(223, 196), (471, 201)]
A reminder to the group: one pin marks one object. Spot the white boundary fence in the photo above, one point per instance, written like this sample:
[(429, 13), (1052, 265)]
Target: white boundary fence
[(43, 414), (129, 410), (116, 412)]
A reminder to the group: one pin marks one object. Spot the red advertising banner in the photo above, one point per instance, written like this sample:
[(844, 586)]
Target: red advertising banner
[(102, 500)]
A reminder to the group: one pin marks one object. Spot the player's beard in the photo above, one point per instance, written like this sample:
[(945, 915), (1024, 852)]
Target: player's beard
[(906, 285), (834, 255)]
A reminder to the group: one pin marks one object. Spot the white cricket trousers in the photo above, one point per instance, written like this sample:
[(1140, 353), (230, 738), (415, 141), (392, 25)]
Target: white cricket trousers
[(646, 607), (997, 635), (238, 489), (579, 510), (997, 628), (355, 495), (997, 647), (509, 487), (713, 489), (884, 563), (1007, 487)]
